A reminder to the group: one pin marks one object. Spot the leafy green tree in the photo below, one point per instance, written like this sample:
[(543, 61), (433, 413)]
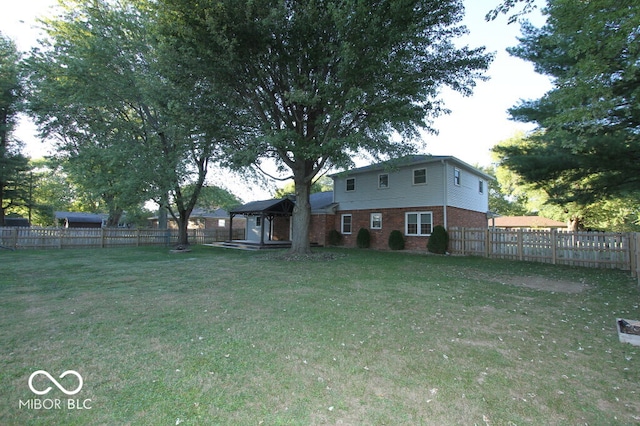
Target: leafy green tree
[(126, 131), (516, 196), (13, 164), (323, 184), (213, 197), (587, 147), (324, 79)]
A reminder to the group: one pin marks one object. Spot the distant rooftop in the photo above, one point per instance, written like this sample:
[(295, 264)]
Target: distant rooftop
[(525, 222)]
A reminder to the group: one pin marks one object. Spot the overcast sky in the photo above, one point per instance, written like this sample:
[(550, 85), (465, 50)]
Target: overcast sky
[(475, 125)]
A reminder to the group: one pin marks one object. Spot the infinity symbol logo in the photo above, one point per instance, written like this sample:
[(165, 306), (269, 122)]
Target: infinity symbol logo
[(55, 382)]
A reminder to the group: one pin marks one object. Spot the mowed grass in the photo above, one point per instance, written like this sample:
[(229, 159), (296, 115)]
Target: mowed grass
[(238, 338)]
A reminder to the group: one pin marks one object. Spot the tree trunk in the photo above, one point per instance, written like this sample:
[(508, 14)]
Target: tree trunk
[(183, 222), (300, 243)]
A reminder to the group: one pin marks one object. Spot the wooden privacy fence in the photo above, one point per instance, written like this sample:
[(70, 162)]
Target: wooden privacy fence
[(38, 238), (589, 249)]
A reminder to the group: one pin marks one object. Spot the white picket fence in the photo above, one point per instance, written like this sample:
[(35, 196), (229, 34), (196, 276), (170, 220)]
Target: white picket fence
[(43, 238), (588, 249)]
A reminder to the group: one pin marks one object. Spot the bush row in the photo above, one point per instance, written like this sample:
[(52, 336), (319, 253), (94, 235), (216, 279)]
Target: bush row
[(438, 241)]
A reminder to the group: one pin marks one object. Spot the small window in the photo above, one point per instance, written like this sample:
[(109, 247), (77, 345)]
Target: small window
[(481, 186), (221, 223), (418, 223), (456, 176), (383, 181), (258, 221), (419, 176), (346, 223), (376, 220), (351, 184)]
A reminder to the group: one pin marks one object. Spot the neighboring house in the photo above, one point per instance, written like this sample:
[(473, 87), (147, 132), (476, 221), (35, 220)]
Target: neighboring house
[(80, 219), (526, 222), (202, 219), (16, 221), (411, 194)]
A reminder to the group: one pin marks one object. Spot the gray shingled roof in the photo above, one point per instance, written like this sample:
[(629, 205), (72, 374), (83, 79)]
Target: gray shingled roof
[(274, 206), (410, 160)]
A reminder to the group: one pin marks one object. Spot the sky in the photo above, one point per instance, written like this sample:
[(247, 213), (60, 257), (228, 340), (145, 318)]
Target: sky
[(475, 125)]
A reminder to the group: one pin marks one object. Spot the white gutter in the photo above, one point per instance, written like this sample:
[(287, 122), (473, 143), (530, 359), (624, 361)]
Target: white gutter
[(445, 193)]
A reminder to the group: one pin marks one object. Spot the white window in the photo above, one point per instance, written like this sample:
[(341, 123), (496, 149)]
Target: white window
[(481, 186), (419, 176), (383, 181), (376, 220), (258, 221), (346, 224), (221, 223), (418, 223), (456, 177), (351, 184)]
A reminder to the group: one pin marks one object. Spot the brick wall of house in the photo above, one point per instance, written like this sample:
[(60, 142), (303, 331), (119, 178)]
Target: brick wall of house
[(394, 219), (466, 218), (320, 226), (280, 229)]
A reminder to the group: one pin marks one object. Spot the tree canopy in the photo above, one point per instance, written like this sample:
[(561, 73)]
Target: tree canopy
[(324, 79), (126, 130), (587, 145), (13, 165)]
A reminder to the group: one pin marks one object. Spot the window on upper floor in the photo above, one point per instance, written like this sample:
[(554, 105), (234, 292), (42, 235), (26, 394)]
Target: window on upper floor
[(383, 181), (350, 184), (481, 186), (419, 176), (456, 177), (376, 220), (418, 223)]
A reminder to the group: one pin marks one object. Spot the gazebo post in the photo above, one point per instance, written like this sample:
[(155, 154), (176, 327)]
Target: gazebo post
[(262, 228), (231, 215)]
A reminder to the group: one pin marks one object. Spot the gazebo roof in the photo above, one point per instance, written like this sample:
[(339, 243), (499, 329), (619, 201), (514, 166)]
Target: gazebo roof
[(282, 207)]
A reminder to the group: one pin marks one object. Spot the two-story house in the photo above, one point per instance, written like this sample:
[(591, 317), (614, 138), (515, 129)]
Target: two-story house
[(411, 194)]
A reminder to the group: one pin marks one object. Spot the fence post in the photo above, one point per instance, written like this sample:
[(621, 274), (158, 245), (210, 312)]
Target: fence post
[(554, 239), (14, 238), (520, 238), (636, 254), (487, 242), (463, 236)]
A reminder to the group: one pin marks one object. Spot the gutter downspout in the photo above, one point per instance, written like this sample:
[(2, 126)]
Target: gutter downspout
[(445, 193)]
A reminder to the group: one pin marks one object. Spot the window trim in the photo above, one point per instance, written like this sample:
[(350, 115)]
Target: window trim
[(371, 220), (346, 184), (380, 177), (418, 223), (481, 186), (413, 176), (342, 218)]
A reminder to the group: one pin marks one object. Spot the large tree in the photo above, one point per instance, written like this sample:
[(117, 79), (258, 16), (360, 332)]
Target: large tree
[(587, 147), (13, 164), (326, 79), (126, 131)]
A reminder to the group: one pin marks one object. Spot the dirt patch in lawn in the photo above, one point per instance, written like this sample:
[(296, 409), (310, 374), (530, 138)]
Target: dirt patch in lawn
[(546, 284)]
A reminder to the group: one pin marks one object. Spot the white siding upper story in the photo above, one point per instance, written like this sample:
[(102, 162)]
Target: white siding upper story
[(419, 181)]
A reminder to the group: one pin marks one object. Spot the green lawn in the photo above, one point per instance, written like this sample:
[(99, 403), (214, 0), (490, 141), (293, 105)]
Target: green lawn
[(245, 338)]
